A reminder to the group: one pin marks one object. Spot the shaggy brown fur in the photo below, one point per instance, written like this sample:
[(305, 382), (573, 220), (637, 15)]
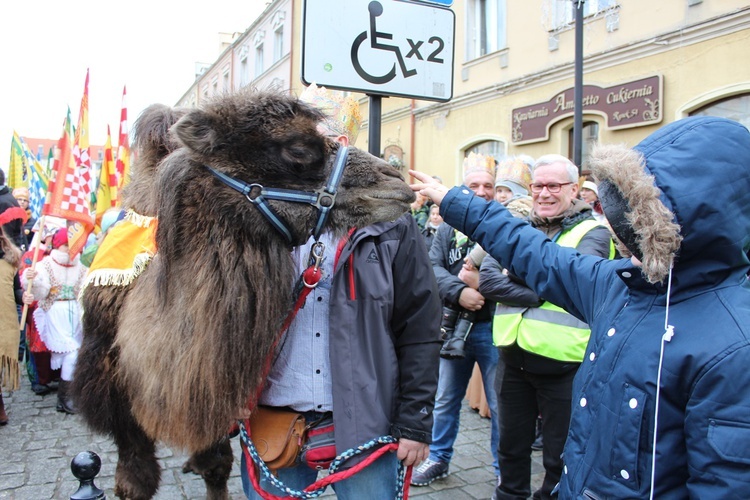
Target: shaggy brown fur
[(658, 236), (192, 339), (103, 405)]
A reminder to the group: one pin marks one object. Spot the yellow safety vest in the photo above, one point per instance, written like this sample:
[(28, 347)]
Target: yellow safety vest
[(547, 330)]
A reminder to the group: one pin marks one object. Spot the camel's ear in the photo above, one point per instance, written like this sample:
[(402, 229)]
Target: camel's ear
[(196, 132)]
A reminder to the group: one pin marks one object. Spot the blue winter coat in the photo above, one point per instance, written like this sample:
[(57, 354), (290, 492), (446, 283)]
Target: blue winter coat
[(702, 167)]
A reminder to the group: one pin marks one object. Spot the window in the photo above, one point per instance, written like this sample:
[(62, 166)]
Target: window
[(485, 30), (225, 80), (278, 43), (735, 108), (496, 149), (258, 60), (244, 73), (590, 136), (563, 13)]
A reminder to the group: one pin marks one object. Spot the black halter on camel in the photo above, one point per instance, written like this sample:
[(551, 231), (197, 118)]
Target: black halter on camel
[(323, 199)]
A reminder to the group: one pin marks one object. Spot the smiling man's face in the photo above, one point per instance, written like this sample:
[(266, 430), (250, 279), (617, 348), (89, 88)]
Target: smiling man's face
[(547, 204)]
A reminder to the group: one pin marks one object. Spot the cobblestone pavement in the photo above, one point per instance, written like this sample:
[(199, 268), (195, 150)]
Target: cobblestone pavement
[(38, 444)]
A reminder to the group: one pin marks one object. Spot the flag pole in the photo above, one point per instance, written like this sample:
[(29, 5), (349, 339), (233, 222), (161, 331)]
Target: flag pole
[(37, 243)]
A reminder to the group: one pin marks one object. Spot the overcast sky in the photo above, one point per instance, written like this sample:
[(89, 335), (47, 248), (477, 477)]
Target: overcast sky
[(150, 46)]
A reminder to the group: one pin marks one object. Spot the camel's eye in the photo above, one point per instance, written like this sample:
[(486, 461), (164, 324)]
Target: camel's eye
[(303, 150)]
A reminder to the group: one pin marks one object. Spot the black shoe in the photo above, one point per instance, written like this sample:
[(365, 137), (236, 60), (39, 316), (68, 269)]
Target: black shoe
[(64, 405), (40, 390), (429, 471)]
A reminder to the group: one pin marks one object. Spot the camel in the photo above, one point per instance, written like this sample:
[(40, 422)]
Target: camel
[(180, 354)]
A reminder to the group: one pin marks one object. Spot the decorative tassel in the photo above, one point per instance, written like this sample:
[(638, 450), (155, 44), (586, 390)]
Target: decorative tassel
[(117, 277), (138, 219), (10, 374)]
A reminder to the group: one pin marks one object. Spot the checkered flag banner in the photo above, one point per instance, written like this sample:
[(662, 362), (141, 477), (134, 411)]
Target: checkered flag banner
[(68, 195), (38, 182)]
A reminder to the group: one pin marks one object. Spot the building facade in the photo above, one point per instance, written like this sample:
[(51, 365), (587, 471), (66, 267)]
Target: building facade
[(645, 64)]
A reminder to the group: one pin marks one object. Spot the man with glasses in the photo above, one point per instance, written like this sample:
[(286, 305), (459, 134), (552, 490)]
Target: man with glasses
[(541, 347)]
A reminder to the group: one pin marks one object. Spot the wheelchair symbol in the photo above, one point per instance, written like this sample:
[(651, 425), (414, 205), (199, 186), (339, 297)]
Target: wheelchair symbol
[(376, 9)]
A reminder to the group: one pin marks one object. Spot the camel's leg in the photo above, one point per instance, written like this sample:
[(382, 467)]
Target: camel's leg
[(138, 472), (105, 406), (214, 465)]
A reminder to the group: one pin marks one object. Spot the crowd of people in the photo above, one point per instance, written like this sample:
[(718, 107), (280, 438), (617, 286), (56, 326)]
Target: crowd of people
[(579, 352), (41, 316)]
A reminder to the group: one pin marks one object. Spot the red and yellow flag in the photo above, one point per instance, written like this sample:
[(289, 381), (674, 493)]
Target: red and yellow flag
[(106, 194), (123, 146), (78, 231), (68, 195)]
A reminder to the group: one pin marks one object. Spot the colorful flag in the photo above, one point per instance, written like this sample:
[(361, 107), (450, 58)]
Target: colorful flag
[(68, 195), (37, 190), (78, 232), (18, 168), (38, 181), (81, 142), (50, 162), (106, 193), (123, 146)]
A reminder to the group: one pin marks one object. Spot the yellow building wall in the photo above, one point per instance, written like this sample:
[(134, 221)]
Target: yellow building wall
[(443, 131)]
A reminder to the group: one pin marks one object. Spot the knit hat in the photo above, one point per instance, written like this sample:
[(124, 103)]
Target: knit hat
[(514, 173), (342, 112), (590, 185), (478, 163), (22, 193), (60, 238)]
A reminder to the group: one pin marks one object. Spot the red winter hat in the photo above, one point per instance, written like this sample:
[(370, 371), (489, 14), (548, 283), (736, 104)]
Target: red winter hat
[(60, 238)]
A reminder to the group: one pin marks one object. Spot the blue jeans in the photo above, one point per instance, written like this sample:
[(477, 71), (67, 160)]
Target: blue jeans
[(377, 480), (452, 383)]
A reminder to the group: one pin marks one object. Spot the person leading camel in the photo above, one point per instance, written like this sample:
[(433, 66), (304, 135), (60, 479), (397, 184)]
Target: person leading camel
[(662, 398), (364, 347), (56, 282)]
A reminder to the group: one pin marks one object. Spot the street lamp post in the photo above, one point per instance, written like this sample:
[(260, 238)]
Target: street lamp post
[(578, 86)]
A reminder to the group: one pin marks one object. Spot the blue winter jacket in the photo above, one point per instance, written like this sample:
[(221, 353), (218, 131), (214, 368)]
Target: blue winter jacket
[(702, 167)]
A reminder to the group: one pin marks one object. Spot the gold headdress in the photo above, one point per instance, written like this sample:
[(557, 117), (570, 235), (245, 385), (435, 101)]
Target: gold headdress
[(479, 163), (514, 170), (342, 113)]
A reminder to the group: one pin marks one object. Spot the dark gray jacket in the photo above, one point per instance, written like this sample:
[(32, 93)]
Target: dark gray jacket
[(384, 335), (447, 260)]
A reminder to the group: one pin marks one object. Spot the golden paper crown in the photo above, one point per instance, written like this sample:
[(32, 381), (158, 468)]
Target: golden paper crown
[(514, 170), (479, 163), (342, 113)]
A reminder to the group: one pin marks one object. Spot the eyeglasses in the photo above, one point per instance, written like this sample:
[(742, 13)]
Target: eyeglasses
[(552, 187)]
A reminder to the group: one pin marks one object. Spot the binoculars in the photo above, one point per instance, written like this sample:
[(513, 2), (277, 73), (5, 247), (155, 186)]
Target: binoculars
[(455, 326)]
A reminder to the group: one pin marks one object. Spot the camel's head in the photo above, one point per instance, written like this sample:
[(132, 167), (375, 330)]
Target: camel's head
[(271, 139)]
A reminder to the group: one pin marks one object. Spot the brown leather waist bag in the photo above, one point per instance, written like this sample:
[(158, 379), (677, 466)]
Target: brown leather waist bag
[(277, 434)]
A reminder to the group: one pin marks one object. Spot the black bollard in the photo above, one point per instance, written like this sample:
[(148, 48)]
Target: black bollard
[(85, 467)]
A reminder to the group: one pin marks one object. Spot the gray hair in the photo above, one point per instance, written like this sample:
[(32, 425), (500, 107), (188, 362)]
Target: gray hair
[(570, 167)]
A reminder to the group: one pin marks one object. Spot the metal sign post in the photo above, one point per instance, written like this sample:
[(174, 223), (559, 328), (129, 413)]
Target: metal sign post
[(578, 88)]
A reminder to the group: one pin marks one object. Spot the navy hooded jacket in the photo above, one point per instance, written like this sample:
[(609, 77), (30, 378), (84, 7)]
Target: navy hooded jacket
[(702, 169)]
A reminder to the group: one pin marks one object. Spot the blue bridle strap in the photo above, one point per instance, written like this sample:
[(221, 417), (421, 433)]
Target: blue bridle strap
[(323, 199)]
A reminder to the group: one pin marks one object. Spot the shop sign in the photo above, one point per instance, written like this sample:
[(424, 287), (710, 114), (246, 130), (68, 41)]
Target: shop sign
[(626, 105)]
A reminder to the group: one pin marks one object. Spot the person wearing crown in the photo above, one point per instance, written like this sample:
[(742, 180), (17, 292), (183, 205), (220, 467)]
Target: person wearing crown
[(461, 299), (364, 348)]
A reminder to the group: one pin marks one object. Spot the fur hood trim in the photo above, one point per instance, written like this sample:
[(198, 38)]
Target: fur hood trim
[(658, 236)]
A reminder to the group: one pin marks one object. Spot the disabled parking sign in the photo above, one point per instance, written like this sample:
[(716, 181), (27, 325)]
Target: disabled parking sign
[(381, 47)]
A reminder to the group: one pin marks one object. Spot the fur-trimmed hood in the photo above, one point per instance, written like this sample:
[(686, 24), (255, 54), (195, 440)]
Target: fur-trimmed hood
[(688, 187)]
